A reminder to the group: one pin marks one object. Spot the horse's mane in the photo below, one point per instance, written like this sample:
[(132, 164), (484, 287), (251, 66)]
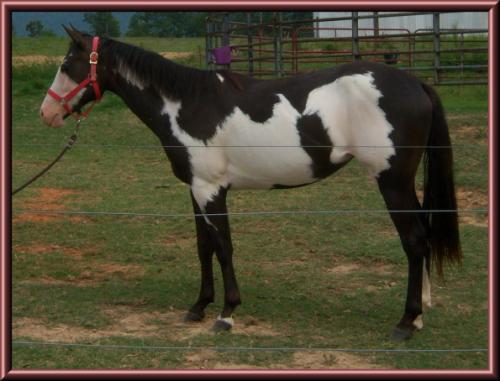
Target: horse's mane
[(163, 75)]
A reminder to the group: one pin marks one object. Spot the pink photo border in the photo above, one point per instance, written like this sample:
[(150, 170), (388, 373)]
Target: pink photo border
[(7, 7)]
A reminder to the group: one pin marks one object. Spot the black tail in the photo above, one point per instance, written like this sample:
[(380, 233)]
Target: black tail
[(439, 190)]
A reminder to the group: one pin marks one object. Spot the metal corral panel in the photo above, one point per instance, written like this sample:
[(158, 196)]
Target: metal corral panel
[(342, 28)]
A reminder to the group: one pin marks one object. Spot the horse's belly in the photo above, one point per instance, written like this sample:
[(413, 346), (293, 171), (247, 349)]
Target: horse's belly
[(268, 167)]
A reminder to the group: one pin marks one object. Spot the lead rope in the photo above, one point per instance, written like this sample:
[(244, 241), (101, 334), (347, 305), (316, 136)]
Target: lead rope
[(67, 147)]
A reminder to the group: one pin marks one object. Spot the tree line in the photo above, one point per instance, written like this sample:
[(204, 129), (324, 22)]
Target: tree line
[(161, 24)]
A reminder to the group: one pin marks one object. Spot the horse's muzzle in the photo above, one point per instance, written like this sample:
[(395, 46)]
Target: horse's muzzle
[(52, 120)]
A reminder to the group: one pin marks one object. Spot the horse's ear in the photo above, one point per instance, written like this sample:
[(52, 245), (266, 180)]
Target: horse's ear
[(76, 36)]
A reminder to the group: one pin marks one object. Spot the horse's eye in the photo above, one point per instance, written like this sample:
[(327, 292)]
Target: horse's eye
[(64, 67)]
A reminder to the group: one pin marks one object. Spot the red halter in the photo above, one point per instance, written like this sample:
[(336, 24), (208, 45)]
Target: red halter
[(91, 79)]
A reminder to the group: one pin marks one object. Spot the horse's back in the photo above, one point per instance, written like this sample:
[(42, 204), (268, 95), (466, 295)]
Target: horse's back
[(362, 109)]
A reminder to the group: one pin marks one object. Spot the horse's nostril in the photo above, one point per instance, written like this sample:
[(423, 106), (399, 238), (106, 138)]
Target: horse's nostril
[(41, 113)]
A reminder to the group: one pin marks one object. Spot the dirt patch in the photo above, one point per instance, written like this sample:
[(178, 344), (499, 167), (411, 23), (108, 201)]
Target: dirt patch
[(36, 59), (37, 329), (98, 272), (248, 326), (187, 242), (91, 274), (206, 359), (343, 269), (469, 199), (473, 133), (41, 59), (129, 322), (140, 324), (472, 199), (378, 268), (52, 199), (331, 360), (176, 55), (40, 249)]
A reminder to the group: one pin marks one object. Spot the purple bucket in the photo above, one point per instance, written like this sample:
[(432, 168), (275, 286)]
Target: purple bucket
[(222, 55)]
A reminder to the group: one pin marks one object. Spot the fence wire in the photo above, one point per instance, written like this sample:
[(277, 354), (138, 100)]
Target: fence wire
[(246, 349), (248, 214), (21, 343), (149, 146)]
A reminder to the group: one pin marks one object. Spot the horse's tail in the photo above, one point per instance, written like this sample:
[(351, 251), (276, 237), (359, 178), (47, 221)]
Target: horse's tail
[(439, 190)]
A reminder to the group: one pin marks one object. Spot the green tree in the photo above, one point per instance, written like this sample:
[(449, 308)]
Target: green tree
[(167, 24), (102, 24), (47, 33), (34, 28)]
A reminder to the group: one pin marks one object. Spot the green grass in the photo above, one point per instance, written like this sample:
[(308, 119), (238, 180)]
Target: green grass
[(57, 46), (306, 281)]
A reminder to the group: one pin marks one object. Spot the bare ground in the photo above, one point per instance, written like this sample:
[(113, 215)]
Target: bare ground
[(40, 59), (133, 322), (51, 199)]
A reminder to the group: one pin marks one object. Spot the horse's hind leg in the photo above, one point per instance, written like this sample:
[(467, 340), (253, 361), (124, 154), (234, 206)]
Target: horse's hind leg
[(399, 195)]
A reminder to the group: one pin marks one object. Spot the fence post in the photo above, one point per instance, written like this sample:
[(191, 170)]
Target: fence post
[(355, 37), (278, 47), (225, 33), (250, 44), (437, 46), (208, 41), (225, 29)]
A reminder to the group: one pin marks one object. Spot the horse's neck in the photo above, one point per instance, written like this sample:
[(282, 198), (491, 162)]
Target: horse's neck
[(147, 100)]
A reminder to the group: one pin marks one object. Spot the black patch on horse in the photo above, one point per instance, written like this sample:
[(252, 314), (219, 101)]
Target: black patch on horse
[(315, 141)]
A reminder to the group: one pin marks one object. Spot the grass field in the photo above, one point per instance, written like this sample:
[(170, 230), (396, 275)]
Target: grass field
[(315, 281)]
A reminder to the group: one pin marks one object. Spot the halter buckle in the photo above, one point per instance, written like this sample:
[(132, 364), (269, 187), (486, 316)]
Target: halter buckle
[(94, 56)]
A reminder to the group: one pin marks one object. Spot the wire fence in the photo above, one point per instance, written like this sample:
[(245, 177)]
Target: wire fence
[(247, 349), (250, 214), (151, 146), (278, 213)]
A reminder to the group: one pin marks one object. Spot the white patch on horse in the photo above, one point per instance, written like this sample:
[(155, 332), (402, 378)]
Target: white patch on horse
[(349, 110), (62, 85), (426, 288), (221, 78), (66, 58), (208, 164), (129, 75), (228, 320), (248, 154), (418, 322), (265, 154)]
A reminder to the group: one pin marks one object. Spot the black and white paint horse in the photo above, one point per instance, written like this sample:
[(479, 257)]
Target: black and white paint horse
[(379, 115)]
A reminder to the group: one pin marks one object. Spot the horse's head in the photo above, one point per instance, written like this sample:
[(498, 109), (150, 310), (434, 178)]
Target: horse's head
[(75, 83)]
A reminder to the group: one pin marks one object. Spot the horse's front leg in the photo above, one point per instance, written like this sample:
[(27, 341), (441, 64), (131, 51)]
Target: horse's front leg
[(213, 211), (206, 250)]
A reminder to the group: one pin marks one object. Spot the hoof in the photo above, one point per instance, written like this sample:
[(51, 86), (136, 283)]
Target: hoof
[(401, 334), (193, 317), (223, 325)]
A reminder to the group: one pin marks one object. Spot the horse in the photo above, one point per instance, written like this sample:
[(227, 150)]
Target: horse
[(307, 127)]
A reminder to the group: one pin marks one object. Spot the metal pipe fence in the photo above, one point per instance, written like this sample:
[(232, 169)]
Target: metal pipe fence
[(288, 48)]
